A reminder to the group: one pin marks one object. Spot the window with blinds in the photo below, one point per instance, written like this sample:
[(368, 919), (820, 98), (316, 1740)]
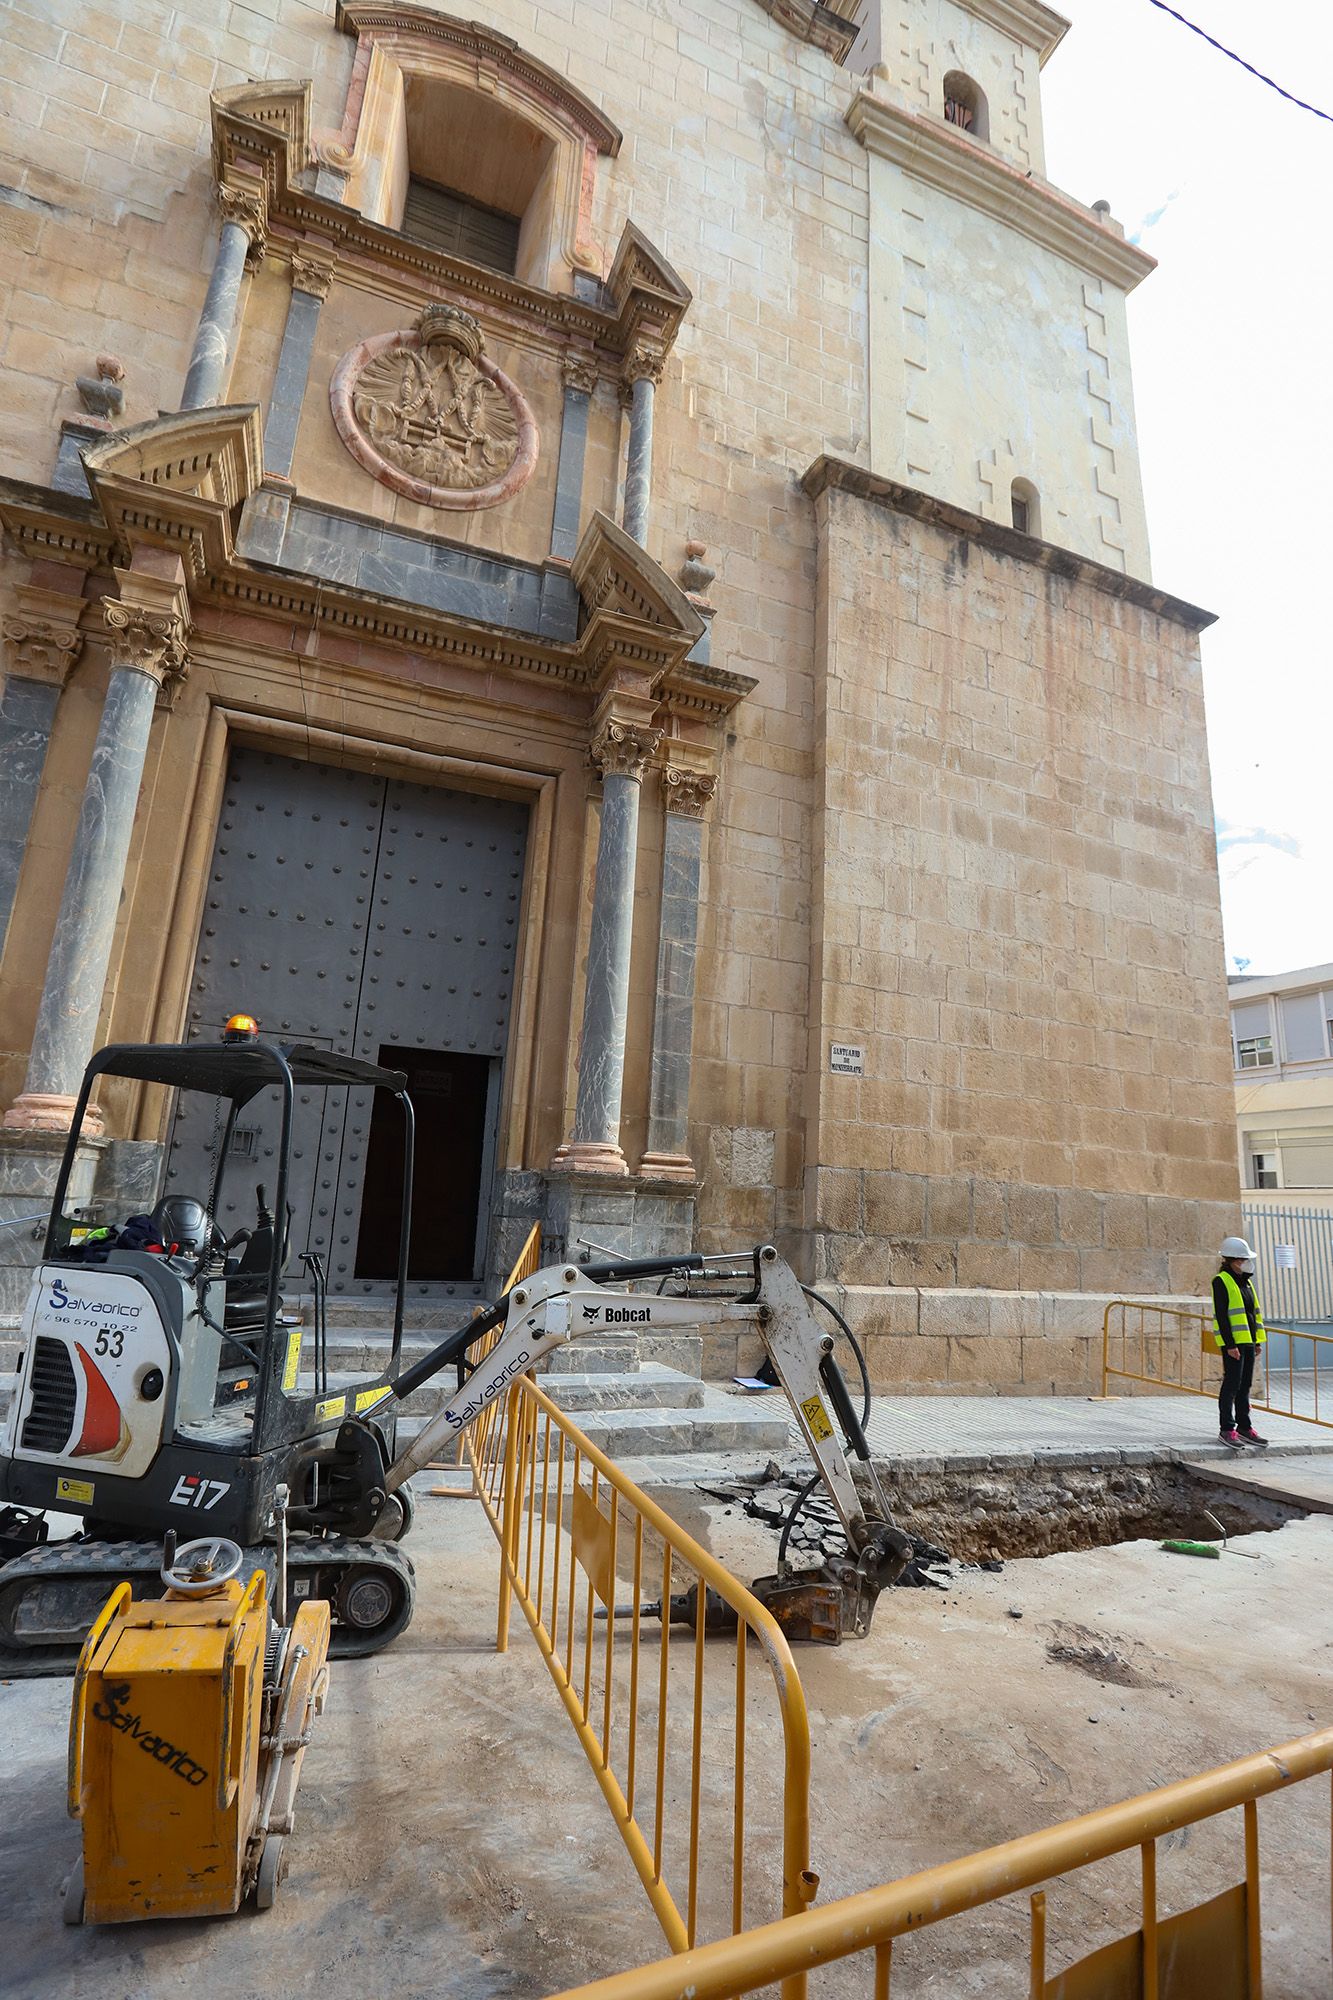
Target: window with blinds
[(451, 223), (1303, 1027), (1307, 1161)]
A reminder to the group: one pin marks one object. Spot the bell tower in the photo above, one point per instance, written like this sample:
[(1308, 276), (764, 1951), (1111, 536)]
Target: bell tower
[(999, 352)]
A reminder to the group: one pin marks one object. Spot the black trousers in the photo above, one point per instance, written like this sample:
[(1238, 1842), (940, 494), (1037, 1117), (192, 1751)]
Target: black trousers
[(1233, 1398)]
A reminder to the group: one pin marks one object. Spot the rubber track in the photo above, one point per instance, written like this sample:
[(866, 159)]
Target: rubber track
[(135, 1561)]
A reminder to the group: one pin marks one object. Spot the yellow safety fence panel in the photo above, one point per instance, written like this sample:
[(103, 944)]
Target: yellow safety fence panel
[(688, 1756), (1171, 1347), (1209, 1951)]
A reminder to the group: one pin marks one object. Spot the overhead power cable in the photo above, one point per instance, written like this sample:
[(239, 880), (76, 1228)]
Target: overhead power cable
[(1222, 49)]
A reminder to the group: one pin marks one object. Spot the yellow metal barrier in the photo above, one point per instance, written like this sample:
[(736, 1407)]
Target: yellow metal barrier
[(586, 1554), (1169, 1347), (1213, 1950)]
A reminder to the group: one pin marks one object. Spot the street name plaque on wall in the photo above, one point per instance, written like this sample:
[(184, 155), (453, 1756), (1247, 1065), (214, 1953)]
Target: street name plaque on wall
[(845, 1059)]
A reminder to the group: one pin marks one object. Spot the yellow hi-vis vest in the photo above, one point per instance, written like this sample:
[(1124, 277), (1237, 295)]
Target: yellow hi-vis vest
[(1237, 1333)]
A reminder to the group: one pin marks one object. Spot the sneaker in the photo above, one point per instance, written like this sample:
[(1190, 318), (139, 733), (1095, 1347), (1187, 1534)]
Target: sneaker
[(1250, 1437), (1233, 1438)]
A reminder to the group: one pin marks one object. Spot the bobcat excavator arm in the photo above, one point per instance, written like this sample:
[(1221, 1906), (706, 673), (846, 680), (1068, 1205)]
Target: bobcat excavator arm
[(566, 1302)]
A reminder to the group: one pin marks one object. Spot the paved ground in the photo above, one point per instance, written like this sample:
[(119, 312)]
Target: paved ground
[(1305, 1480), (969, 1431), (452, 1844)]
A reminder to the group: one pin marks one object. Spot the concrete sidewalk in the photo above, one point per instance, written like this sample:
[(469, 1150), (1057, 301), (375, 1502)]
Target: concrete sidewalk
[(969, 1432)]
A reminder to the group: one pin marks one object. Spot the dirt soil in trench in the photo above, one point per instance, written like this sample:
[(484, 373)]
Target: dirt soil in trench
[(451, 1839)]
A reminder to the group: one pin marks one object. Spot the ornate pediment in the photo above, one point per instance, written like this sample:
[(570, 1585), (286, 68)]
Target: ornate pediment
[(216, 454), (176, 481), (649, 299), (612, 574), (280, 107), (811, 21)]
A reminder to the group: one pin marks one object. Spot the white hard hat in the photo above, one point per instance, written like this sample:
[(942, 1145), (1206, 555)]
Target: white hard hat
[(1236, 1246)]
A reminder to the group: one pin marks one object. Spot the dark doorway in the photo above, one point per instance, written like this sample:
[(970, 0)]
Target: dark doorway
[(362, 913), (450, 1094)]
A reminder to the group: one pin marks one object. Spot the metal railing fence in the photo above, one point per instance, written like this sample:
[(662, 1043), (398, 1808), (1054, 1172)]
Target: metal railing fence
[(1214, 1948), (1299, 1291), (620, 1601), (1169, 1347)]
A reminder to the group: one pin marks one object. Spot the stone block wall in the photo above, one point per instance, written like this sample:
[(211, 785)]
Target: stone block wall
[(106, 229), (1017, 916), (972, 1342)]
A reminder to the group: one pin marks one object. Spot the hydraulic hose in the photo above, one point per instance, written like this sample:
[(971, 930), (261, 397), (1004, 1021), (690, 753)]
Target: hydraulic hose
[(852, 1342), (793, 1512)]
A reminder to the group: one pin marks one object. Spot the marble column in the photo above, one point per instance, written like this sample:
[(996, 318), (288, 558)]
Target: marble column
[(263, 525), (643, 372), (42, 642), (686, 795), (146, 631), (242, 226), (580, 372), (620, 749), (312, 279)]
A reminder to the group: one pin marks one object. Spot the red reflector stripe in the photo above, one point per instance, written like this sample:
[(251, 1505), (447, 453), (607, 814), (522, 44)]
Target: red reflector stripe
[(101, 1414)]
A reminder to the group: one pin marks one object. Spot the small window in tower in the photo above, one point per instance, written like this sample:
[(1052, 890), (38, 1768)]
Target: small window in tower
[(461, 228), (965, 105), (1025, 507)]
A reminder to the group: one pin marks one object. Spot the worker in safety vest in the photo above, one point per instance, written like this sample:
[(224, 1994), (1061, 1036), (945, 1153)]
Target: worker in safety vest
[(1238, 1328)]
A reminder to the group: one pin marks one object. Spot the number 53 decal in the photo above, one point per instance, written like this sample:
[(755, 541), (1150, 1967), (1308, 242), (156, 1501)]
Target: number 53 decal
[(110, 1340)]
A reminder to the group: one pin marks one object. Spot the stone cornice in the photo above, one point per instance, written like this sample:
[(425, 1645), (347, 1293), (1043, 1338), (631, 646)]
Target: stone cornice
[(941, 156), (1035, 26), (175, 485), (644, 297), (835, 475)]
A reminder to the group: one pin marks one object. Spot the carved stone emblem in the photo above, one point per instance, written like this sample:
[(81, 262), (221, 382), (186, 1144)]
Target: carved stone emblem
[(428, 413)]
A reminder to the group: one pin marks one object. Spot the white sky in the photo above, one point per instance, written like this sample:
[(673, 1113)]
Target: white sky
[(1231, 189)]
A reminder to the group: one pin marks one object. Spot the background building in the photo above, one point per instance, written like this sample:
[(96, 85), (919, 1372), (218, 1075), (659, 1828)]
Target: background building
[(1282, 1039), (638, 605)]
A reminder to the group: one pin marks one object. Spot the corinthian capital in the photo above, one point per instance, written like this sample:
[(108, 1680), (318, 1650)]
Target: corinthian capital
[(42, 636), (621, 748), (146, 642), (247, 206), (579, 371), (312, 271), (643, 363), (689, 793)]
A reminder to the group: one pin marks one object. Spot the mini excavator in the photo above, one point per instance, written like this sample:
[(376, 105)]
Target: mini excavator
[(163, 1385)]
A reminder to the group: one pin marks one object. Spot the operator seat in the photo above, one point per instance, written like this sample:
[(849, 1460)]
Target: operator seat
[(183, 1226)]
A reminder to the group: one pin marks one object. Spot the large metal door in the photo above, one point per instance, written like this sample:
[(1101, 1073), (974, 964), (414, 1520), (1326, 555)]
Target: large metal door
[(439, 973), (364, 915)]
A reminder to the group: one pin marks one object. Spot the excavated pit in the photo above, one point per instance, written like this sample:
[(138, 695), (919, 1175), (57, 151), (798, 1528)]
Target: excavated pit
[(1001, 1512), (1041, 1511)]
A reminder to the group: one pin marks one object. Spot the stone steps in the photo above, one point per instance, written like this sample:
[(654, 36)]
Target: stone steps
[(718, 1423), (652, 1387), (436, 1311)]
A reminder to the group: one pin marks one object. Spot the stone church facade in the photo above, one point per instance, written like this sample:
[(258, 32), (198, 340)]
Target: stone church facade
[(598, 554)]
